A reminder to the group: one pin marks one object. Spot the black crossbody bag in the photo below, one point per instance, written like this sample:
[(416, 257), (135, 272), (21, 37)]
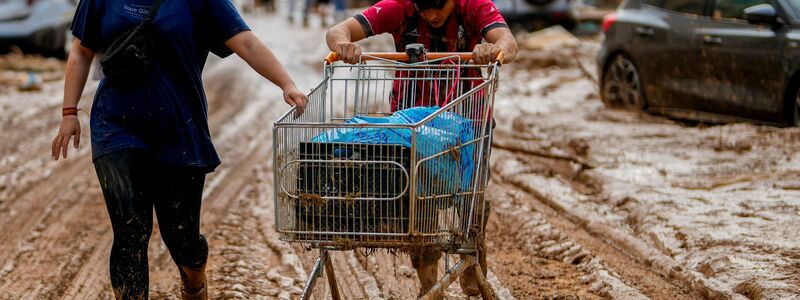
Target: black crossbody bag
[(131, 56)]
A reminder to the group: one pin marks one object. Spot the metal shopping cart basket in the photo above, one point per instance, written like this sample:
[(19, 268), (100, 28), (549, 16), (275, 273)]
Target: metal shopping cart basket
[(391, 186)]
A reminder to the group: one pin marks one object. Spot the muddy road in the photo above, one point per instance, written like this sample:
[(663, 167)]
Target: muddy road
[(588, 203)]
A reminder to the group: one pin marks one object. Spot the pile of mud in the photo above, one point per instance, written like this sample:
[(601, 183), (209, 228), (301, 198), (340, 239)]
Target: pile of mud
[(28, 72), (555, 48)]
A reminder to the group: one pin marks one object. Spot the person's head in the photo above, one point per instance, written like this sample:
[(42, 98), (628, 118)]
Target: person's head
[(436, 12)]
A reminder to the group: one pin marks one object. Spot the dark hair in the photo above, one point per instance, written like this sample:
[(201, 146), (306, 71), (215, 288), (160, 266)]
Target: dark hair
[(426, 4)]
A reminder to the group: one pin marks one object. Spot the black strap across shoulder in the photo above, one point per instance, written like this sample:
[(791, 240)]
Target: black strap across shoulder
[(154, 9), (130, 57)]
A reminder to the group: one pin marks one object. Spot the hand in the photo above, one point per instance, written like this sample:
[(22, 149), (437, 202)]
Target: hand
[(294, 97), (485, 53), (70, 126), (348, 52)]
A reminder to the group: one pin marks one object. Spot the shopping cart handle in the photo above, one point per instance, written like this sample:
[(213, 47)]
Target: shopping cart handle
[(399, 56)]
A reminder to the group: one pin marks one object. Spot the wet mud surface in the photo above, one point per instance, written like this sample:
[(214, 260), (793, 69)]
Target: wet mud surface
[(588, 203), (709, 208)]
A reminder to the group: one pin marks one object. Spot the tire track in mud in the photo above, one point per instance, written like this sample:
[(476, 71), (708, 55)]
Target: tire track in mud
[(41, 192), (22, 169), (620, 264), (29, 220), (32, 182), (538, 259), (541, 256)]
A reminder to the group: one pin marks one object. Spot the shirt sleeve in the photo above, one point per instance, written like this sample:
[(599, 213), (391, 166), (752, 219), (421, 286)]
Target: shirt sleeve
[(385, 16), (86, 25), (225, 22), (485, 16)]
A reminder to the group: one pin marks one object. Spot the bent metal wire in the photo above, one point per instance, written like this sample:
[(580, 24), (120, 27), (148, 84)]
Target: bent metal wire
[(341, 196)]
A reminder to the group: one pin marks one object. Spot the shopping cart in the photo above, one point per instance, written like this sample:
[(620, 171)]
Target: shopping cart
[(402, 187)]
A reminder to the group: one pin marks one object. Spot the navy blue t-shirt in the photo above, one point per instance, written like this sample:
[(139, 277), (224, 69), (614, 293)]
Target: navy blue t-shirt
[(166, 113)]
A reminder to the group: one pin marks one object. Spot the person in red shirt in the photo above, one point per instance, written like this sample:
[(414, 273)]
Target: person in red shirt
[(441, 26)]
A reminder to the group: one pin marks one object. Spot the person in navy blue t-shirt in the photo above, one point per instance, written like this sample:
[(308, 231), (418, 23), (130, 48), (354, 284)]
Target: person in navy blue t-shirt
[(151, 145)]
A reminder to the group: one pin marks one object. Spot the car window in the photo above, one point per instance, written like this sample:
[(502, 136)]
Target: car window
[(694, 7), (733, 9)]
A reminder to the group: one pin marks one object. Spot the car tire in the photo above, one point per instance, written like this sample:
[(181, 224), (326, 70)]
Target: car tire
[(622, 85)]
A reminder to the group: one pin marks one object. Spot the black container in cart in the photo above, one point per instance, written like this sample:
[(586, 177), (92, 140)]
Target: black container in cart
[(331, 194)]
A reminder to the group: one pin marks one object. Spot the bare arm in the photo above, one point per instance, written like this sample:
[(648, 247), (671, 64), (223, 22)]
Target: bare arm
[(262, 60), (499, 39), (340, 39), (76, 73)]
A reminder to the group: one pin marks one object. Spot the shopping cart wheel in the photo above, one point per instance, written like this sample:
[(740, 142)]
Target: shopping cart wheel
[(437, 291), (323, 264)]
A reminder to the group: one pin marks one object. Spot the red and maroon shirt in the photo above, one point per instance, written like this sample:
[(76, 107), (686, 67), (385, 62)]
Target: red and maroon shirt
[(465, 28)]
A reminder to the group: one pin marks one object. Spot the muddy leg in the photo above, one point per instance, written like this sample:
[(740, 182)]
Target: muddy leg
[(486, 290), (177, 207), (193, 283), (426, 262), (124, 178), (469, 281)]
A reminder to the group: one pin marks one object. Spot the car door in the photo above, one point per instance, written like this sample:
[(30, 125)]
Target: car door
[(674, 68), (641, 31), (744, 70)]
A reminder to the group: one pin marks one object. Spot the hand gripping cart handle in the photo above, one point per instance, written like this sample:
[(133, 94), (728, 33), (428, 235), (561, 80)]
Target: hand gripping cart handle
[(347, 176)]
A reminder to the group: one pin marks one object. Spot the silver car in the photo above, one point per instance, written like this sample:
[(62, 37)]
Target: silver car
[(37, 25)]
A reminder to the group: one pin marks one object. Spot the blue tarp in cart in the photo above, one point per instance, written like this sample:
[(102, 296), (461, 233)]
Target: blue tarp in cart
[(450, 172)]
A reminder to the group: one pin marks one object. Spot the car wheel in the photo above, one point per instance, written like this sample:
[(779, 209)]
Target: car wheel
[(622, 86)]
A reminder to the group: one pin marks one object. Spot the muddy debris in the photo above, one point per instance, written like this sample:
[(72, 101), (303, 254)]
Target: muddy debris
[(30, 63), (28, 72), (307, 200), (555, 37)]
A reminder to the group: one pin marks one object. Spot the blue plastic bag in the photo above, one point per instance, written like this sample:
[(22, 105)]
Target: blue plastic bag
[(444, 174)]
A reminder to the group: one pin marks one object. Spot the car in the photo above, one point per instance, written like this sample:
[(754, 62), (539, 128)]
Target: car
[(711, 61), (37, 25), (536, 14)]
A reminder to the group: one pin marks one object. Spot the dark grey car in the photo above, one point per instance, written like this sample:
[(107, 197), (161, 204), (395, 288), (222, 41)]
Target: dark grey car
[(706, 60)]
